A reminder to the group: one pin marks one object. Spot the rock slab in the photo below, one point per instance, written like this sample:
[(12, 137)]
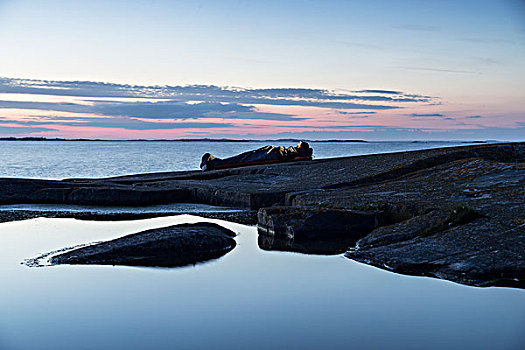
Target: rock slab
[(171, 246)]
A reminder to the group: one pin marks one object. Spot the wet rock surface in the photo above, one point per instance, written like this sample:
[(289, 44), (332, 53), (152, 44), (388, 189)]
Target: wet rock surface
[(456, 213), (466, 222), (475, 254), (171, 246)]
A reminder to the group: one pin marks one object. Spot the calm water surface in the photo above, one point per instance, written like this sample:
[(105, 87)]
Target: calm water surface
[(249, 299), (58, 160)]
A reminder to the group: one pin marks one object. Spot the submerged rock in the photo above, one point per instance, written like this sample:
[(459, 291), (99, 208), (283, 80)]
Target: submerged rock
[(171, 246)]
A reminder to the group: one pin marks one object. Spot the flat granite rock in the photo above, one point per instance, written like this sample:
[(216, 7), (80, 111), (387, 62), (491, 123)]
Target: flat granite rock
[(461, 220), (171, 246), (474, 254)]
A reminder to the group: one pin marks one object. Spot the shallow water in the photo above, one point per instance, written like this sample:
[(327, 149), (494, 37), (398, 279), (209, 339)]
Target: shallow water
[(248, 299), (67, 159), (174, 208)]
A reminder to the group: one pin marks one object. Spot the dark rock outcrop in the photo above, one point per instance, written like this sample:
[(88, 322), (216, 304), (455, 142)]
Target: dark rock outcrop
[(412, 197), (465, 222), (475, 254), (171, 246)]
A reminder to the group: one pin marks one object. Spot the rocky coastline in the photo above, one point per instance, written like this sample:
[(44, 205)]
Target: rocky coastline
[(454, 213)]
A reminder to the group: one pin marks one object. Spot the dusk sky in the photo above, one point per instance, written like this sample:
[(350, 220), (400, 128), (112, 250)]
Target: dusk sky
[(374, 70)]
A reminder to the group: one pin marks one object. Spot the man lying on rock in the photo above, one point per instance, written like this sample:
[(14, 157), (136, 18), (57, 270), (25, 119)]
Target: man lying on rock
[(263, 155)]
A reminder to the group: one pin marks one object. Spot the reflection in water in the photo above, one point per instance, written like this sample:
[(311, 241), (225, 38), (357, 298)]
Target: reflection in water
[(307, 246), (313, 231), (249, 298)]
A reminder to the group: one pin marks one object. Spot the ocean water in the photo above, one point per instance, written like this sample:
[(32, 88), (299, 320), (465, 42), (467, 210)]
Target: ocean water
[(67, 159), (248, 299)]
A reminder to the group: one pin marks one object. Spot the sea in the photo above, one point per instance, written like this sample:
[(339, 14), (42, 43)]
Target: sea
[(248, 299), (68, 159)]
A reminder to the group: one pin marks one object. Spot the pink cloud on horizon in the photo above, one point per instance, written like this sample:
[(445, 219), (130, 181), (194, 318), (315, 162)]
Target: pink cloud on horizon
[(441, 116)]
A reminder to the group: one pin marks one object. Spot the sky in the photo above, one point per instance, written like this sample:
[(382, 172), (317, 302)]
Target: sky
[(373, 70)]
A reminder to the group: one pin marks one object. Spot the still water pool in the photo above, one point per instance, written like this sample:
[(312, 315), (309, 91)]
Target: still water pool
[(248, 299)]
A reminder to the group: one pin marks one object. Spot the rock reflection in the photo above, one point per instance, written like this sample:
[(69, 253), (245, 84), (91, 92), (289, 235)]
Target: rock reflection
[(330, 246), (313, 230)]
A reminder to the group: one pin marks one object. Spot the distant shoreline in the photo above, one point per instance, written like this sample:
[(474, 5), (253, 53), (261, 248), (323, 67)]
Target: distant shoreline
[(221, 140)]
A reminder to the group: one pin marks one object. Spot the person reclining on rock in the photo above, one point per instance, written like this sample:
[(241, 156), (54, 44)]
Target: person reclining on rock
[(263, 155)]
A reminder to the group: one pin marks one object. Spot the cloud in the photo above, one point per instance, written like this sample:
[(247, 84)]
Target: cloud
[(257, 115), (122, 123), (349, 113), (389, 92), (100, 105), (474, 117), (157, 110), (87, 108), (444, 70), (21, 130), (46, 106), (210, 93), (486, 40), (322, 104), (168, 109), (356, 115), (326, 127), (418, 115)]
